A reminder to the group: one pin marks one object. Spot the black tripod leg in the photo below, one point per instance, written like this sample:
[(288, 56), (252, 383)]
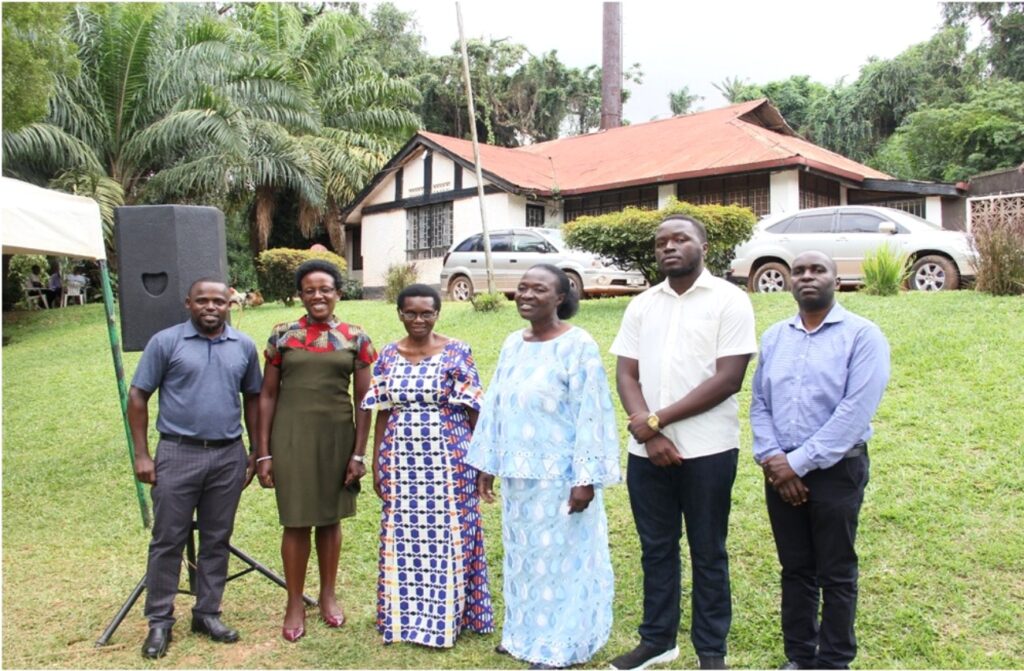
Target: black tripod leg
[(267, 573), (121, 614)]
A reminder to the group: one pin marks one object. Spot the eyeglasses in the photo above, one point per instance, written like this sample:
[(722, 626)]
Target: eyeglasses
[(413, 316), (309, 292)]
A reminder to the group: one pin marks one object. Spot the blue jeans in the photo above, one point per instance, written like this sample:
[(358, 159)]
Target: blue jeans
[(699, 492)]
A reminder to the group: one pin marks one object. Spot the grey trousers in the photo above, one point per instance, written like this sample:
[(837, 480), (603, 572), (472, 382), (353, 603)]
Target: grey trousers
[(207, 482)]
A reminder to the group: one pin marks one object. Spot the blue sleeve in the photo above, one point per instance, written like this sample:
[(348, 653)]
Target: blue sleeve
[(595, 459), (868, 376), (252, 381), (765, 442), (149, 374)]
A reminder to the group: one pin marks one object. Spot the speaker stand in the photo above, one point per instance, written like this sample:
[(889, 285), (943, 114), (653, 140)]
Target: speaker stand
[(190, 564)]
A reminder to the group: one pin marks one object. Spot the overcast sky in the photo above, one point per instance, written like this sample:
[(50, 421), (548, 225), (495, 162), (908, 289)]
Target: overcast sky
[(694, 44)]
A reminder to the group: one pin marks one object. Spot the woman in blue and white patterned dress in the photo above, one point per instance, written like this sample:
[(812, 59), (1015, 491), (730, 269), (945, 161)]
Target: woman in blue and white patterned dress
[(433, 572), (547, 427)]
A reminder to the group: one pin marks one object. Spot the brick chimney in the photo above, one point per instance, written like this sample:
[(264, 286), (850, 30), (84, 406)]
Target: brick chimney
[(611, 67)]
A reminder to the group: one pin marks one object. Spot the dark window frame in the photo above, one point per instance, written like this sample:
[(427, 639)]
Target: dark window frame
[(603, 202), (751, 190), (428, 230)]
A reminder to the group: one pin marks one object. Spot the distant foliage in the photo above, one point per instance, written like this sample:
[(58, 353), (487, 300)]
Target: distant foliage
[(351, 290), (626, 238), (397, 277), (488, 302), (885, 271), (999, 242), (275, 269)]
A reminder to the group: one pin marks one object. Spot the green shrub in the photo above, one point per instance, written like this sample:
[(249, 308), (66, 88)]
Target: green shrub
[(275, 269), (885, 271), (488, 302), (397, 277), (999, 242), (351, 290), (626, 238)]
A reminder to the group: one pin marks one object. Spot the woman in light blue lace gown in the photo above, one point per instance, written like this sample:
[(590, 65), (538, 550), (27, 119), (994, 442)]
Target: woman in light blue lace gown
[(547, 428)]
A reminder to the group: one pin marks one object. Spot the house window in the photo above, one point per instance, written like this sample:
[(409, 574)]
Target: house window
[(428, 231), (751, 191), (817, 191), (645, 197), (535, 216), (911, 205)]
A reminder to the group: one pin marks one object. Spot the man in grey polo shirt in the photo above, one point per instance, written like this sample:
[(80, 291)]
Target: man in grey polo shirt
[(200, 366)]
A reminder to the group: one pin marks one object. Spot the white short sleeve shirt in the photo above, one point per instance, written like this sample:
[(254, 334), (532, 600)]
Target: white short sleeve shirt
[(677, 340)]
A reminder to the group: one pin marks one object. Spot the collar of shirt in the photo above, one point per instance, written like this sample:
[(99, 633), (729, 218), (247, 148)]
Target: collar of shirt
[(836, 314), (703, 281), (228, 333), (331, 323)]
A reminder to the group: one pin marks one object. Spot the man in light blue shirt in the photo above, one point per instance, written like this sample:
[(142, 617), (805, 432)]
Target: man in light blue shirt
[(819, 380)]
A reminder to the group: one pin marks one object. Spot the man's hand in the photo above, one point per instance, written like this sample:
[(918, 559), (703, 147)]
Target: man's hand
[(265, 473), (145, 469), (793, 492), (580, 497), (638, 427), (485, 486), (355, 470), (662, 451), (777, 470), (250, 469)]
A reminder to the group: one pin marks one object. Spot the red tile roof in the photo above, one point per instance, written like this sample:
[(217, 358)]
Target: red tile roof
[(740, 138)]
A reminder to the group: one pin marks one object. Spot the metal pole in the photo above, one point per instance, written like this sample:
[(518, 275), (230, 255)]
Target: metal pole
[(122, 389), (476, 156)]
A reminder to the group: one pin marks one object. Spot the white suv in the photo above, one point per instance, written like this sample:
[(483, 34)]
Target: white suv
[(941, 259), (514, 250)]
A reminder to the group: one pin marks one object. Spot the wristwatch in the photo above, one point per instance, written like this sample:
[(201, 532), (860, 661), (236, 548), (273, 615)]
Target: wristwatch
[(358, 457), (652, 421)]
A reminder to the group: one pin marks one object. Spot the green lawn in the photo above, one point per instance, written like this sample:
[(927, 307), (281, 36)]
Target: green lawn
[(942, 555)]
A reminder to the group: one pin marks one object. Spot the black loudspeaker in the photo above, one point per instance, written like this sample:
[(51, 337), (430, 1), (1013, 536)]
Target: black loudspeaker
[(161, 251)]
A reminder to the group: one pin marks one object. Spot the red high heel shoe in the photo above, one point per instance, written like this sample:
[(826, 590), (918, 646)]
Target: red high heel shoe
[(293, 635), (333, 621)]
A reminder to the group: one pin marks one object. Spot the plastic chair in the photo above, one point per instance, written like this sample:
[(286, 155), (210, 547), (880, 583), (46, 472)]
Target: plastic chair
[(35, 298), (75, 290)]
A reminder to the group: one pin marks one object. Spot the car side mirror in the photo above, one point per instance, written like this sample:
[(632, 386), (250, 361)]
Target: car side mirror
[(887, 227)]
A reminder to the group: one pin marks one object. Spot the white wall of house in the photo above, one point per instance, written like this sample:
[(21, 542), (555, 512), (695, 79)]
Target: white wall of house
[(933, 209), (665, 191), (784, 191), (843, 193)]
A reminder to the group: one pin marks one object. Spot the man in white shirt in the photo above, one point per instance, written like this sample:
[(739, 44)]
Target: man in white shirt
[(683, 349)]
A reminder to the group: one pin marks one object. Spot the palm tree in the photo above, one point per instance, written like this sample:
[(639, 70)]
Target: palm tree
[(364, 112), (166, 108)]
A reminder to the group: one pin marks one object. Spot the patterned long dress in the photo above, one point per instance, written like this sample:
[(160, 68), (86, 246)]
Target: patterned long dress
[(433, 572), (547, 425)]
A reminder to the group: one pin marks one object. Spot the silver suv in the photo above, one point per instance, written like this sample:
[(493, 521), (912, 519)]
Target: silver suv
[(941, 259), (514, 250)]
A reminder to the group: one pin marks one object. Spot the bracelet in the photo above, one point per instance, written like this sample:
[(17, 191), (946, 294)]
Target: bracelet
[(358, 457), (259, 459)]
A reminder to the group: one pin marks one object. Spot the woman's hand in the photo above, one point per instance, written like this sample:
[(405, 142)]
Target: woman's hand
[(580, 497), (485, 486), (265, 473), (376, 485), (355, 470)]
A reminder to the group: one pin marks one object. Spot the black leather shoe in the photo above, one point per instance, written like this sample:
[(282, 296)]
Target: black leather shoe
[(157, 642), (210, 625), (790, 665), (709, 662)]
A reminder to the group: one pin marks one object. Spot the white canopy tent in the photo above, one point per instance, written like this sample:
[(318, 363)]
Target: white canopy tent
[(43, 221)]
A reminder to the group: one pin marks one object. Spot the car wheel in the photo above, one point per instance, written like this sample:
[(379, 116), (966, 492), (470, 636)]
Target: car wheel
[(575, 283), (460, 288), (769, 278), (933, 273)]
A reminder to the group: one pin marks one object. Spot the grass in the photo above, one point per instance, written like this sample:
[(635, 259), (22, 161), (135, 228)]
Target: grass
[(942, 555)]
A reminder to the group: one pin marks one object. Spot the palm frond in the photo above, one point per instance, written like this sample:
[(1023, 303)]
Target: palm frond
[(177, 130), (107, 192), (45, 149)]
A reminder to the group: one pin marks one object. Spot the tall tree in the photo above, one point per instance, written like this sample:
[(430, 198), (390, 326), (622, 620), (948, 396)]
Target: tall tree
[(1004, 46), (34, 54), (682, 100)]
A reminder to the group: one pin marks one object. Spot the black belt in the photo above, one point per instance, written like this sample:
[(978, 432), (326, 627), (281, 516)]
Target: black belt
[(860, 449), (199, 442)]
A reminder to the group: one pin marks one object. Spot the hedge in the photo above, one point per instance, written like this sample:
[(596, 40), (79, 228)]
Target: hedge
[(276, 270), (626, 238)]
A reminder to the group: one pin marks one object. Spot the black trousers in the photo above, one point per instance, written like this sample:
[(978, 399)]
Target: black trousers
[(699, 492), (815, 543), (207, 482)]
